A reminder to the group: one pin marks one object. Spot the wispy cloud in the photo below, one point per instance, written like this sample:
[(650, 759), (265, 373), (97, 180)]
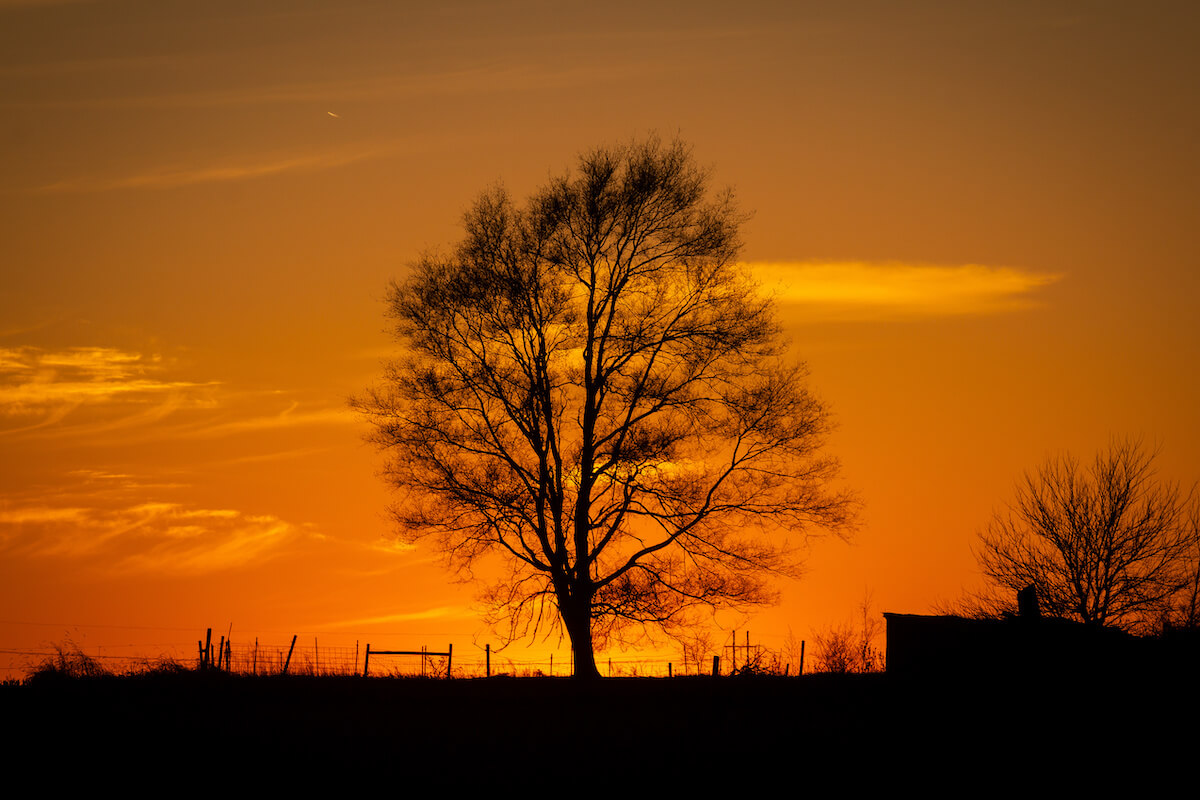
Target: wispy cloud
[(89, 393), (281, 455), (170, 177), (483, 79), (34, 3), (289, 417), (873, 291), (146, 536), (441, 612), (52, 383), (15, 328)]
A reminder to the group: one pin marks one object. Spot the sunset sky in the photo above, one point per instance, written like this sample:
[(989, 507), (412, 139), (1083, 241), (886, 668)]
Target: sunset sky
[(980, 220)]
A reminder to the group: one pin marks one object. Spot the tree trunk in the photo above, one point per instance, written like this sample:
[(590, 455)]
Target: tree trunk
[(577, 617)]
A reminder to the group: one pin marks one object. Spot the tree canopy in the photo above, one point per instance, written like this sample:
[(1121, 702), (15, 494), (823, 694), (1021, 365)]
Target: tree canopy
[(1108, 543), (592, 388)]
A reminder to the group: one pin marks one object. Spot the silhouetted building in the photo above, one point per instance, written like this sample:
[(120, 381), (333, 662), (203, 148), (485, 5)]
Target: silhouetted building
[(1026, 643)]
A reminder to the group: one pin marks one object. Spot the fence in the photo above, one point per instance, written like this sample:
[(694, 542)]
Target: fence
[(256, 657), (314, 659)]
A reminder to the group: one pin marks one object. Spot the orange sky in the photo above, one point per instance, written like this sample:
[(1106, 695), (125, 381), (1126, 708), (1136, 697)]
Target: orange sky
[(980, 219)]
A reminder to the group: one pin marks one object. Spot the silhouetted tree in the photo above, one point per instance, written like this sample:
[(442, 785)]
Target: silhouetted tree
[(697, 645), (1184, 609), (843, 648), (1109, 544), (593, 389), (835, 649)]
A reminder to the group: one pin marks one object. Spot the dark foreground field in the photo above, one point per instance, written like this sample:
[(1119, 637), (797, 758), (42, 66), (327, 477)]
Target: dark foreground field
[(685, 732)]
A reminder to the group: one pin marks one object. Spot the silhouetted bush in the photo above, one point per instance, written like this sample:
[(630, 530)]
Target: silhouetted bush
[(69, 661)]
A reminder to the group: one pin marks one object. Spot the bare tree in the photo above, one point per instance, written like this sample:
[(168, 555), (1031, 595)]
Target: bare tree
[(836, 649), (845, 648), (697, 645), (593, 389), (1184, 609), (870, 658), (792, 653), (1109, 544)]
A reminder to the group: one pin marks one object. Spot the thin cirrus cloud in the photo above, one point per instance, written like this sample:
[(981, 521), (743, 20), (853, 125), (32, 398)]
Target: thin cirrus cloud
[(289, 417), (488, 79), (441, 612), (148, 536), (864, 291), (53, 382), (6, 4), (171, 177), (85, 393)]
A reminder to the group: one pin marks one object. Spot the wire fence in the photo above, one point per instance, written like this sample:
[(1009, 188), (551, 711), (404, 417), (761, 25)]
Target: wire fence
[(314, 659), (298, 657), (318, 660)]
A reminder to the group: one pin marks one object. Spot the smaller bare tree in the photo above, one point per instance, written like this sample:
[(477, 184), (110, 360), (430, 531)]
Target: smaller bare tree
[(847, 648), (697, 644), (835, 649), (1184, 609), (792, 653), (1108, 544), (870, 657)]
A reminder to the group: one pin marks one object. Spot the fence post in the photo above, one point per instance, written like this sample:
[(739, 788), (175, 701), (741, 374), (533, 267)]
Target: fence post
[(449, 658), (208, 649), (487, 649), (801, 670), (367, 660), (716, 666), (288, 663)]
